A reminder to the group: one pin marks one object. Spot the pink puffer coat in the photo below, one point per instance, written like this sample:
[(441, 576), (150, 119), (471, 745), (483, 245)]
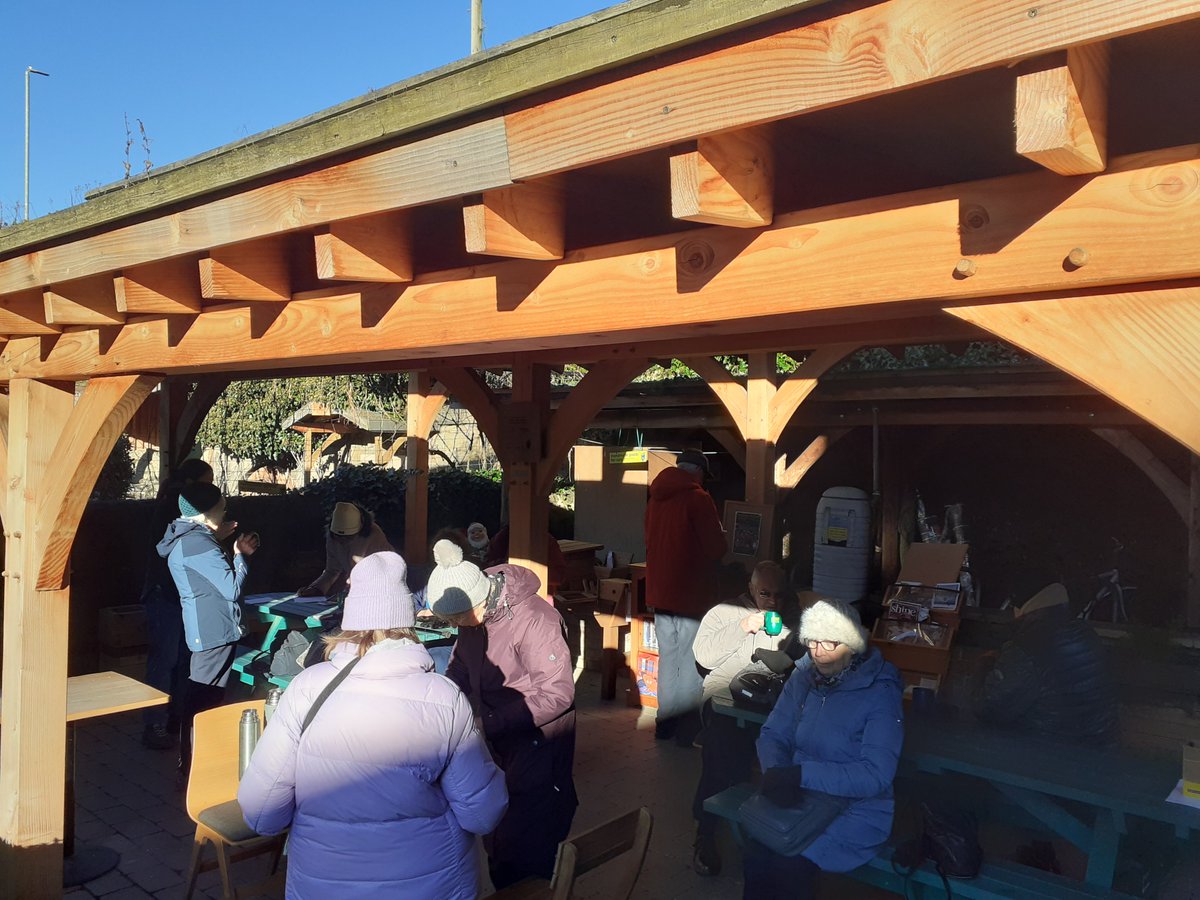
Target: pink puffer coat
[(385, 789)]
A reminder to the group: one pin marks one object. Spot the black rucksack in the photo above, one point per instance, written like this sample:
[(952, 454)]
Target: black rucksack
[(949, 839)]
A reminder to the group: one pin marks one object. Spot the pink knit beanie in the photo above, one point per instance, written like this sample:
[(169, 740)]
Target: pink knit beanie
[(379, 596)]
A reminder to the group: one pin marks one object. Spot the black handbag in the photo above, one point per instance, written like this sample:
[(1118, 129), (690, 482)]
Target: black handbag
[(949, 839), (789, 830)]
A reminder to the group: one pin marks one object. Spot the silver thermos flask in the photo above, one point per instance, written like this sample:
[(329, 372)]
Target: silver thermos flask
[(272, 703), (248, 731)]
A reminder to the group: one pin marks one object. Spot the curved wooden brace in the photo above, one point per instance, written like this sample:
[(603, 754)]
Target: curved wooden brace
[(99, 417), (1174, 488), (728, 389), (469, 389), (428, 413), (800, 384), (817, 448), (208, 389), (731, 440), (602, 382)]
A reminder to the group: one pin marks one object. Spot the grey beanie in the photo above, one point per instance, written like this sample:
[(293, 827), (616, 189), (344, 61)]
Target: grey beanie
[(456, 584)]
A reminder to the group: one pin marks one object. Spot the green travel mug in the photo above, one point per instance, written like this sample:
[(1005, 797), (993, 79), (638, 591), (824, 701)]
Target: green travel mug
[(772, 622)]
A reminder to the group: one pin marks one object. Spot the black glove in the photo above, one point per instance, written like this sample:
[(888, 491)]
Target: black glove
[(775, 660), (781, 786)]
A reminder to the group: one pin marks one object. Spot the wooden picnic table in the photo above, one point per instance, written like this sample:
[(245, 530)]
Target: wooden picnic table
[(90, 697)]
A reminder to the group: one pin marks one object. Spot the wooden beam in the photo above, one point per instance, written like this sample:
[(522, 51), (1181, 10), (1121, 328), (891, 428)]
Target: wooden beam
[(864, 53), (3, 458), (762, 375), (636, 287), (466, 386), (726, 179), (524, 221), (528, 504), (88, 301), (1172, 487), (601, 383), (1062, 111), (257, 270), (392, 449), (96, 422), (25, 313), (728, 389), (207, 391), (811, 455), (731, 442), (33, 706), (1141, 348), (373, 248), (800, 384), (424, 403), (171, 287), (468, 160)]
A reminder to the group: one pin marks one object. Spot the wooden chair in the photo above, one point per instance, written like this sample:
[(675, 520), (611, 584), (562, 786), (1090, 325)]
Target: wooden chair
[(628, 835), (212, 801)]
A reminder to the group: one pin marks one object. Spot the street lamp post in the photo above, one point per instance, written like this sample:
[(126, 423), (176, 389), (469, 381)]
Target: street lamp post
[(29, 70), (476, 25)]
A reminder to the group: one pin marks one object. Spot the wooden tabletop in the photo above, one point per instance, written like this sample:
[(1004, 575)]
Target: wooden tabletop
[(105, 693), (569, 546)]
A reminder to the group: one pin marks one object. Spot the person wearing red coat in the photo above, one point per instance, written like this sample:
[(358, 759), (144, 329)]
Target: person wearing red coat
[(684, 542)]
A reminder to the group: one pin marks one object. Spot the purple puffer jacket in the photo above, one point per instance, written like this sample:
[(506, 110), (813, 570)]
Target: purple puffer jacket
[(385, 789)]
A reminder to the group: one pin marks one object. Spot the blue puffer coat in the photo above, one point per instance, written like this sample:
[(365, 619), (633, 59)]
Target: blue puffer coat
[(386, 789), (847, 740), (209, 584)]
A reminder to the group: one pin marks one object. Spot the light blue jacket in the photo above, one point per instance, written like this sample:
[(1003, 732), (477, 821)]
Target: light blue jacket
[(209, 584), (846, 739)]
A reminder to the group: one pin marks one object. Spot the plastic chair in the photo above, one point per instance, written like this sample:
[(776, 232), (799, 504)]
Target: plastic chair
[(627, 836), (212, 801)]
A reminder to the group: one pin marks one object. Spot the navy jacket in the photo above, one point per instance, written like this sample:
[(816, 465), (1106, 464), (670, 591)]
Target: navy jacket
[(209, 584), (847, 740)]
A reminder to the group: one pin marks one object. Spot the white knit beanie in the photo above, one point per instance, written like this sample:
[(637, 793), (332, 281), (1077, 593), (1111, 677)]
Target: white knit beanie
[(833, 620), (455, 585), (379, 596)]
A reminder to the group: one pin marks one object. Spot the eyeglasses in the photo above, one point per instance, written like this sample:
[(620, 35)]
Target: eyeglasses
[(766, 594), (827, 646)]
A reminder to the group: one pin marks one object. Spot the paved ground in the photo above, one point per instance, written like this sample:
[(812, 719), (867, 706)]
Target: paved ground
[(127, 800)]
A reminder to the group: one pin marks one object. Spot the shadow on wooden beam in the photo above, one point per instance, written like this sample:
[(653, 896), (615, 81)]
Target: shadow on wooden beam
[(698, 261)]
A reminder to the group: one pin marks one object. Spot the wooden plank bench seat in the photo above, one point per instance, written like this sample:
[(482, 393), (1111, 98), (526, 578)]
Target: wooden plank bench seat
[(996, 879)]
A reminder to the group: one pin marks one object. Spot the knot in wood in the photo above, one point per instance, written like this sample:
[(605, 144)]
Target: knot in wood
[(695, 257)]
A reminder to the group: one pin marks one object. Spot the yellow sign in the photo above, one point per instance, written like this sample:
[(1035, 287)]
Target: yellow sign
[(627, 457)]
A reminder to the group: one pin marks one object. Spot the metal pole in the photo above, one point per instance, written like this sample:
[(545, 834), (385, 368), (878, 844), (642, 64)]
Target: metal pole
[(476, 25), (29, 70)]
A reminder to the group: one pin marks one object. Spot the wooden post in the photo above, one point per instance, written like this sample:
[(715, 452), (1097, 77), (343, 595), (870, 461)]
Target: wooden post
[(424, 404), (308, 457), (760, 448), (33, 708), (522, 436), (1193, 580)]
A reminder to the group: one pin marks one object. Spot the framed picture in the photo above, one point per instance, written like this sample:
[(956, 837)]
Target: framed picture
[(748, 530)]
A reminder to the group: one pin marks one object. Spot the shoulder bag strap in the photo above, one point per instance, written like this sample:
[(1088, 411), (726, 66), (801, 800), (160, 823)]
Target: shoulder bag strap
[(329, 689)]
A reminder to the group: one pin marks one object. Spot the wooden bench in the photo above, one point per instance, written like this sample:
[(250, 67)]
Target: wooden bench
[(996, 879)]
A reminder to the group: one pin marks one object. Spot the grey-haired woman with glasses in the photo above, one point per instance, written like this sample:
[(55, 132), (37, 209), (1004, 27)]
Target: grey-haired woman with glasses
[(837, 729)]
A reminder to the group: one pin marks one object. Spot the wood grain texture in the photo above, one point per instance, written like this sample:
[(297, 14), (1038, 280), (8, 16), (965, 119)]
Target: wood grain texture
[(1062, 112), (602, 40), (726, 179), (523, 221), (424, 403), (88, 301), (34, 701), (25, 313), (795, 471), (865, 53), (99, 417), (800, 384), (729, 390), (373, 248), (1193, 578), (3, 455), (1141, 348), (257, 270), (1173, 488), (649, 289), (469, 160), (171, 287)]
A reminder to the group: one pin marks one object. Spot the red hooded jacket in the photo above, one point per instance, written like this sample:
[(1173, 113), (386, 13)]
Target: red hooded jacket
[(684, 541)]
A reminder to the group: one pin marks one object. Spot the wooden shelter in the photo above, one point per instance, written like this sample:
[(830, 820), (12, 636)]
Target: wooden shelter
[(351, 426), (670, 178)]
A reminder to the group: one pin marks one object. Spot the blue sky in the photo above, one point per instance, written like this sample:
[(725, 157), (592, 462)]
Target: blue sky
[(202, 74)]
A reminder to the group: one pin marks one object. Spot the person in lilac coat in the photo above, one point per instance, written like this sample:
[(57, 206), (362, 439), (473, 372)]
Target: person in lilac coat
[(387, 788)]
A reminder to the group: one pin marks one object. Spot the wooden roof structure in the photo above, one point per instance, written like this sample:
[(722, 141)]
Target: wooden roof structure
[(666, 178)]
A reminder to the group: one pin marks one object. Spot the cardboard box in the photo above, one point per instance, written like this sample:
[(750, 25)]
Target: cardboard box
[(926, 566), (1191, 770), (915, 656)]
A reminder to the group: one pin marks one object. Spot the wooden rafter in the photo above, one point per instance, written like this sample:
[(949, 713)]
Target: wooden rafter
[(1062, 111), (725, 179), (1140, 347), (523, 221), (1172, 487), (98, 418), (257, 270), (868, 52), (1032, 222), (88, 301), (159, 288), (372, 248), (25, 313)]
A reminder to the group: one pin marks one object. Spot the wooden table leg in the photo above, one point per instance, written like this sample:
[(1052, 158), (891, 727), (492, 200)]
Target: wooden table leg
[(610, 658)]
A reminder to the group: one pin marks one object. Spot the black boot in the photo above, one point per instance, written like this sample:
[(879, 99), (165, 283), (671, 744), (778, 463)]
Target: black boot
[(706, 860)]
